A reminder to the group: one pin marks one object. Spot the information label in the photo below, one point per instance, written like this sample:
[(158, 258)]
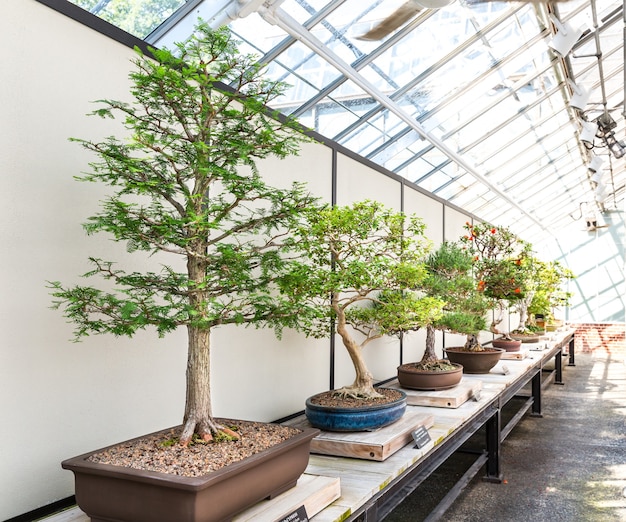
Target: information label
[(299, 515), (421, 437)]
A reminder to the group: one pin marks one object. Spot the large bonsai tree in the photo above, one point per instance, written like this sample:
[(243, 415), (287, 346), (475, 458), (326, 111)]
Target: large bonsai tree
[(184, 183), (352, 257)]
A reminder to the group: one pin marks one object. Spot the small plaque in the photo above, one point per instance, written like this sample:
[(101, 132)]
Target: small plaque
[(299, 515), (421, 437), (476, 396), (505, 370)]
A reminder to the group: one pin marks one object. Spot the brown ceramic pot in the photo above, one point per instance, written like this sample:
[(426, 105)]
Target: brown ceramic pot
[(475, 362), (109, 493), (506, 344), (415, 379)]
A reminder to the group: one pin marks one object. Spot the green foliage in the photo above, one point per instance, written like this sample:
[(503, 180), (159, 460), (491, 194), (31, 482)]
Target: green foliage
[(550, 279), (185, 183), (352, 254)]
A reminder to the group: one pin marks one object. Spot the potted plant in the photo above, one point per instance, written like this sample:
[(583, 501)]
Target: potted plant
[(184, 183), (351, 255), (499, 269), (550, 293), (449, 279)]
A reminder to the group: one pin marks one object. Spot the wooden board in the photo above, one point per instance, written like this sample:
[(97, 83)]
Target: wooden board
[(451, 398), (369, 445), (522, 353), (314, 492)]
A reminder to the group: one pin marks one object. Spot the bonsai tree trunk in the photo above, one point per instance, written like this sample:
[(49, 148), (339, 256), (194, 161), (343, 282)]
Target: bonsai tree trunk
[(497, 319), (363, 385), (523, 309), (430, 356), (473, 344)]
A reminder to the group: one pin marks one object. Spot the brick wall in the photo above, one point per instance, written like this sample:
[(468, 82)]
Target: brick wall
[(600, 337)]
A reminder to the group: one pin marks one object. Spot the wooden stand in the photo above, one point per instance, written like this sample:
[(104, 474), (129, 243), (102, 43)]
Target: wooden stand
[(521, 354), (314, 492), (369, 445), (451, 398)]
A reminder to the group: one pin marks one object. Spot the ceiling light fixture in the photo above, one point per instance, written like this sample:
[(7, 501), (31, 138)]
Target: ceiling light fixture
[(595, 164), (580, 96), (588, 133), (565, 37)]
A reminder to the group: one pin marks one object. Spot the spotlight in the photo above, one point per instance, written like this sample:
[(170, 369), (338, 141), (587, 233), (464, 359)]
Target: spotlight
[(618, 148), (565, 38), (595, 165), (605, 123), (597, 177), (580, 96), (600, 190), (588, 133)]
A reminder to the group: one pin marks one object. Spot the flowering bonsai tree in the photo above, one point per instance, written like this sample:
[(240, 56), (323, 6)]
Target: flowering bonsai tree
[(353, 256), (499, 267), (184, 183)]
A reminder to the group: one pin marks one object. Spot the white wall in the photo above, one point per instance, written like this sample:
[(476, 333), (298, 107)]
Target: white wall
[(59, 399)]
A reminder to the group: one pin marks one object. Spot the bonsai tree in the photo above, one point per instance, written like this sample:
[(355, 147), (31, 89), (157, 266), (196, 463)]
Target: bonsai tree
[(449, 278), (184, 183), (498, 266), (549, 293), (358, 261)]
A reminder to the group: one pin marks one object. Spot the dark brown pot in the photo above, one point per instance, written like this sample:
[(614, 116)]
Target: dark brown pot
[(475, 362), (508, 345), (109, 493), (415, 379)]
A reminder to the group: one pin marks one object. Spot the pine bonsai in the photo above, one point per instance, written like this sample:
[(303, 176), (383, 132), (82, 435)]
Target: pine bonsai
[(353, 256), (184, 183), (450, 279)]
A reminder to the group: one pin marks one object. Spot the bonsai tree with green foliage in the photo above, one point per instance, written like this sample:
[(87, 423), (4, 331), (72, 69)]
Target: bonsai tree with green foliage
[(184, 183), (449, 278), (549, 294), (499, 267), (358, 261)]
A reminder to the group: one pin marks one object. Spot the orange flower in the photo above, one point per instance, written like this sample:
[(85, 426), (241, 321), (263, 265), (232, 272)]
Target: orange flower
[(493, 230), (517, 290), (481, 286)]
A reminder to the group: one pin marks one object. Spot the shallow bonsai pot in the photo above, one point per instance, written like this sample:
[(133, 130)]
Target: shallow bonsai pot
[(415, 379), (108, 493), (507, 344), (475, 362), (365, 418), (526, 338)]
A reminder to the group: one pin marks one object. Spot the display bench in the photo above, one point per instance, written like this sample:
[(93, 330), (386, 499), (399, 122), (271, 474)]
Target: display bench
[(364, 477), (370, 490)]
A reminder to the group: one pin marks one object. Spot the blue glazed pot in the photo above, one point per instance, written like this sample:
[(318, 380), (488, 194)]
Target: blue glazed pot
[(365, 418)]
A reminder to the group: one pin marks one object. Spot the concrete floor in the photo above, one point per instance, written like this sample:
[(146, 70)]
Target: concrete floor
[(568, 466)]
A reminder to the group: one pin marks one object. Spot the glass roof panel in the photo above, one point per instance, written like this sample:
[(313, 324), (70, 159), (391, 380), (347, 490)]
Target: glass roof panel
[(467, 101)]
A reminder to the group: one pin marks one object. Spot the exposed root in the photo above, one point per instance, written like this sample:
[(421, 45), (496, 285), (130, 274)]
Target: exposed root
[(353, 392), (206, 432)]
